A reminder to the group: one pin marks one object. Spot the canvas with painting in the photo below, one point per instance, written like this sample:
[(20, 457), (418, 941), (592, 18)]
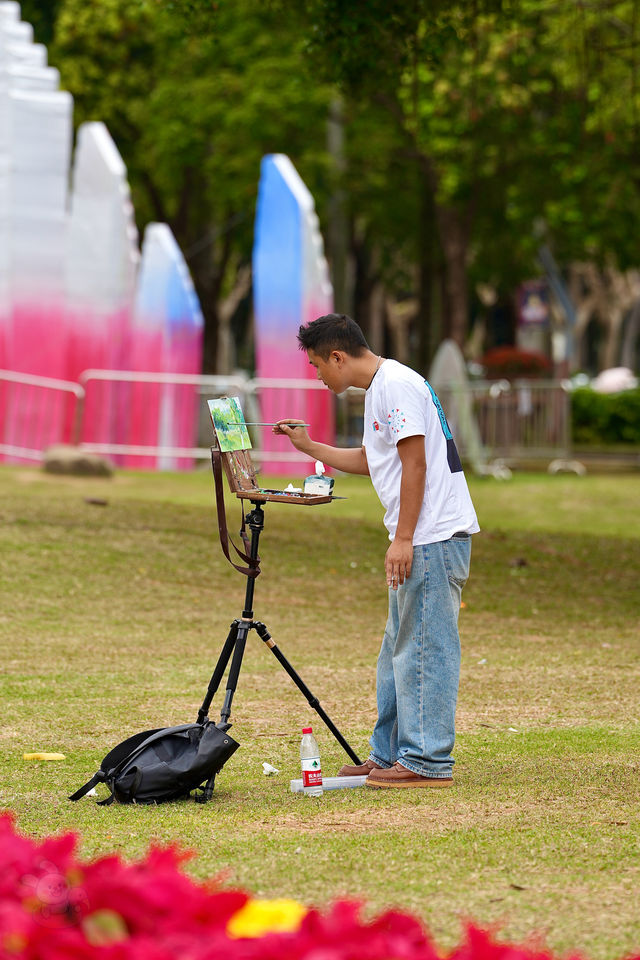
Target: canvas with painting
[(229, 424)]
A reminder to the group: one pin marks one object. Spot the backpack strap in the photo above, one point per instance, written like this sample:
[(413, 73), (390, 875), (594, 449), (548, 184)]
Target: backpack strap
[(109, 800), (253, 570), (129, 794), (99, 777)]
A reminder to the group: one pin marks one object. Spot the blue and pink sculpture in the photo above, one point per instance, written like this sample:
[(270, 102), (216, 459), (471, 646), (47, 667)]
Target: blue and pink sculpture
[(166, 336), (291, 287)]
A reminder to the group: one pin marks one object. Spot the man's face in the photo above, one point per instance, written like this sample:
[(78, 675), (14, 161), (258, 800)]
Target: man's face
[(330, 371)]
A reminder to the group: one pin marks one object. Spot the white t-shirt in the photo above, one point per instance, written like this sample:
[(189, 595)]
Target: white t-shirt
[(400, 403)]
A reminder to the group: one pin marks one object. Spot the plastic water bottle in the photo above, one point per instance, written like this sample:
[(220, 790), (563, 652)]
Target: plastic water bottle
[(311, 769)]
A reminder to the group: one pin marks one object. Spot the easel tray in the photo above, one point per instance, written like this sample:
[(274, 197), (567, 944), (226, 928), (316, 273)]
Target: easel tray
[(281, 496)]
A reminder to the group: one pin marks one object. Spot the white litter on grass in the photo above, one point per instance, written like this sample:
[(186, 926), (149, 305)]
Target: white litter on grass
[(268, 770), (91, 793)]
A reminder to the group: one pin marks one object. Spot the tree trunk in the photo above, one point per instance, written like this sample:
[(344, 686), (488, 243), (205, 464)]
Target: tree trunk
[(604, 295), (337, 223), (226, 359), (454, 239), (400, 315), (631, 338), (427, 320), (366, 282), (209, 307), (208, 265)]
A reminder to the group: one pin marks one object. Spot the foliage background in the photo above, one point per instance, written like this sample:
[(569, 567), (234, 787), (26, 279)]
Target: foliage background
[(443, 142)]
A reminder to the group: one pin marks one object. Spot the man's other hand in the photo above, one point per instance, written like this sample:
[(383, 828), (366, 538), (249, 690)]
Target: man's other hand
[(398, 561)]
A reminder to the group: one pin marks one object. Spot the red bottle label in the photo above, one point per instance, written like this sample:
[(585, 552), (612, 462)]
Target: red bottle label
[(312, 778)]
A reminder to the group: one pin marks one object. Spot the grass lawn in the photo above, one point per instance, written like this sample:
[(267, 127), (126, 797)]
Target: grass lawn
[(112, 617)]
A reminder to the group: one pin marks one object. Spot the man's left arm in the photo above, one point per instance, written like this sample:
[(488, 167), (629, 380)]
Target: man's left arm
[(399, 556)]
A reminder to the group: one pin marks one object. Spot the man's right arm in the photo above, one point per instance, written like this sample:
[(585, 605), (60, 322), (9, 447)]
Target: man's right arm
[(347, 459)]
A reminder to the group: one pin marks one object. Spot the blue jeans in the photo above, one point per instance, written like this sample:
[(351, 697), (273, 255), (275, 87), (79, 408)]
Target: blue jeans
[(419, 662)]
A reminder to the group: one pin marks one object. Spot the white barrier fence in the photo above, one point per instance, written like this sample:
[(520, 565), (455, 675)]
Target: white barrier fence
[(36, 413), (491, 421)]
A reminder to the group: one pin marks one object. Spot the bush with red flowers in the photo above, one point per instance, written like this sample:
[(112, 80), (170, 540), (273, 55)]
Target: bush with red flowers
[(510, 363), (54, 906)]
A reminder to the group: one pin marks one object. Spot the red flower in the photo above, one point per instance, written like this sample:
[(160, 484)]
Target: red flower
[(507, 361), (54, 907)]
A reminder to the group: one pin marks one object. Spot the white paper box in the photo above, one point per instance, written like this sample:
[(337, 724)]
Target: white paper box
[(331, 783)]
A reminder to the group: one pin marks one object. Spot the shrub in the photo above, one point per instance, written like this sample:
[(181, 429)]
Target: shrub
[(605, 418)]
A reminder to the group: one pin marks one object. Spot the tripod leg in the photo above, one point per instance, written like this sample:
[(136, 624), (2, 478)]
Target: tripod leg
[(207, 792), (218, 672), (265, 636), (242, 631)]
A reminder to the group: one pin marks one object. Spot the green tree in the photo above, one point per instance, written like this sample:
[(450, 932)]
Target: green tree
[(600, 69), (511, 117)]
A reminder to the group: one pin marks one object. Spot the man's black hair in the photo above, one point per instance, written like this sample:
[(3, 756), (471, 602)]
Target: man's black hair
[(335, 331)]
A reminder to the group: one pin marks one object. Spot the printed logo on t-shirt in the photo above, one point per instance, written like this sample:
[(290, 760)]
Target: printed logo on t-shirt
[(452, 452), (396, 420), (376, 425)]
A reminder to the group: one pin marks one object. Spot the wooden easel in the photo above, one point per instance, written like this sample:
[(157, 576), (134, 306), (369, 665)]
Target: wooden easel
[(241, 476)]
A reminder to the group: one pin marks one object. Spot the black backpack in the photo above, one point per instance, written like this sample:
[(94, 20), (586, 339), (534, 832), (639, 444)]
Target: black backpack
[(165, 764)]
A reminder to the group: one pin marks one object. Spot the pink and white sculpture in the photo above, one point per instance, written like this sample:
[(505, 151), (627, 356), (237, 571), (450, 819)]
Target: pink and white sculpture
[(35, 149), (102, 260)]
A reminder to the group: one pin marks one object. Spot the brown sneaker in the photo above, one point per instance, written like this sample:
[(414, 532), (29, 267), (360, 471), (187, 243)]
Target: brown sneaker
[(363, 770), (399, 776)]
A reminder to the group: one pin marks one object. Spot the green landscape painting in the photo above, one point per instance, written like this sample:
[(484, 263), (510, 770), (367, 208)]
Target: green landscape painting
[(228, 422)]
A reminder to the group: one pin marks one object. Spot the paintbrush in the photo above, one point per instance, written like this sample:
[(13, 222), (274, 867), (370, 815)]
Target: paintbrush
[(251, 423)]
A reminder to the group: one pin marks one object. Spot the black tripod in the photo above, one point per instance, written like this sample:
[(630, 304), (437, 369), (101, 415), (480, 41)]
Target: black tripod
[(236, 641)]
